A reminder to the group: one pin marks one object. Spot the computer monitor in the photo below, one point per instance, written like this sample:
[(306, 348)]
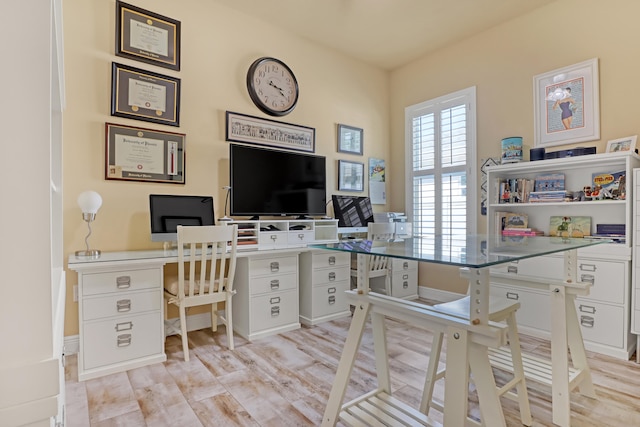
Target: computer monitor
[(168, 211), (352, 211)]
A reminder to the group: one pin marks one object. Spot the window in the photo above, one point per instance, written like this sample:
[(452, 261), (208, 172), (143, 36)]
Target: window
[(440, 137)]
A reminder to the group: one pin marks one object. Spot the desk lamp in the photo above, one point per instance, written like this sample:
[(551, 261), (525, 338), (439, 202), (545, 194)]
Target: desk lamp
[(226, 202), (89, 202)]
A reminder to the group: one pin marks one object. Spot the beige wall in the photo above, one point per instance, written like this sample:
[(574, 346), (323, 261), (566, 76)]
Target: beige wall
[(218, 45), (502, 62)]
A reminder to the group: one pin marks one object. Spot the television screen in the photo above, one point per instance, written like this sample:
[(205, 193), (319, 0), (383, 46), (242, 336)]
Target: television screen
[(276, 183), (169, 211), (352, 211)]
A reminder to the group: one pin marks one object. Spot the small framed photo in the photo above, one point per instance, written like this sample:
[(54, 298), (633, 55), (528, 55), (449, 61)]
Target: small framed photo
[(350, 176), (137, 154), (146, 36), (350, 139), (143, 95), (622, 145)]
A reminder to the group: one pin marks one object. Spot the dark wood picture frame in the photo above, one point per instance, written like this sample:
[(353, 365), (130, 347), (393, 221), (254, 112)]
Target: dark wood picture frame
[(350, 176), (350, 139), (138, 154), (146, 36), (142, 95), (256, 130)]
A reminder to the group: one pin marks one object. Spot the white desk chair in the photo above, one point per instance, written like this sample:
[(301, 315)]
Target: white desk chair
[(213, 283), (379, 265), (500, 309)]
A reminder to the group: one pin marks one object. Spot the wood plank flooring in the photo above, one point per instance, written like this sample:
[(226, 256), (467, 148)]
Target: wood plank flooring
[(285, 380)]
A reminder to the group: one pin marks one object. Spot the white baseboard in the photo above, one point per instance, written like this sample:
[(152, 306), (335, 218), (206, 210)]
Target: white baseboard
[(194, 323)]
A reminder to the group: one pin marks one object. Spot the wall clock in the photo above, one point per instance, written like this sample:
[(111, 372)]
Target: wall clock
[(272, 86)]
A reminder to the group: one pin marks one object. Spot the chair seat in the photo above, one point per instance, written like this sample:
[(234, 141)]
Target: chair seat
[(499, 308), (172, 287)]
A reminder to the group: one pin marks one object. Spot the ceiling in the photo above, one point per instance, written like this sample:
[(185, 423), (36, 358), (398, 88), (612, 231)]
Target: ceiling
[(385, 33)]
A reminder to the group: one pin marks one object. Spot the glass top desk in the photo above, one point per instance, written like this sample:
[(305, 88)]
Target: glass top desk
[(473, 335)]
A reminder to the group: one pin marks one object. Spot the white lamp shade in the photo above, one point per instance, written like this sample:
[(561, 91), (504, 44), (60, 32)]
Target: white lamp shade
[(89, 202)]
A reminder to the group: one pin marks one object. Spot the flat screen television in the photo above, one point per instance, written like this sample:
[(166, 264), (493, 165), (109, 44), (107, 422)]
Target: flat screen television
[(352, 211), (276, 183), (168, 211)]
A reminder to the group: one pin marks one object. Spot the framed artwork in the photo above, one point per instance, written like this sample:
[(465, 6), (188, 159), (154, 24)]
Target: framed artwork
[(567, 105), (350, 139), (256, 130), (137, 154), (350, 176), (622, 145), (143, 95), (146, 36)]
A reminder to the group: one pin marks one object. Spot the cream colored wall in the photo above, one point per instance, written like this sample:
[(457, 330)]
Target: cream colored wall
[(502, 62), (218, 45)]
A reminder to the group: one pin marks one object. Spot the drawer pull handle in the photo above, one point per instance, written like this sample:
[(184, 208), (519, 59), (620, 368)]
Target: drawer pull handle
[(332, 260), (331, 290), (332, 299), (405, 277), (123, 305), (587, 321), (588, 267), (274, 237), (275, 266), (405, 265), (124, 326), (405, 285), (124, 340), (332, 276), (301, 236), (275, 311), (275, 284), (123, 282), (274, 300), (513, 295), (512, 269), (587, 309), (590, 278)]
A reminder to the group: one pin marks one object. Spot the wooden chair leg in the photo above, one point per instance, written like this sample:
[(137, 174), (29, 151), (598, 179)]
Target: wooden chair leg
[(229, 322), (214, 316), (183, 332), (518, 370), (432, 373)]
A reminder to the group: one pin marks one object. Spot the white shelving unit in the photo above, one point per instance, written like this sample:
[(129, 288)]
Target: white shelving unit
[(604, 314)]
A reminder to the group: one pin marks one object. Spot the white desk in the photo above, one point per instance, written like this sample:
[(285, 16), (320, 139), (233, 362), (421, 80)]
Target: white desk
[(121, 306), (468, 340)]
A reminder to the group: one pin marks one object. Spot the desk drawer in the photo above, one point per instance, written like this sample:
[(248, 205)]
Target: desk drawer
[(301, 237), (275, 283), (535, 307), (330, 298), (272, 311), (330, 259), (120, 340), (273, 266), (398, 264), (121, 281), (330, 275), (404, 283), (120, 304), (600, 323)]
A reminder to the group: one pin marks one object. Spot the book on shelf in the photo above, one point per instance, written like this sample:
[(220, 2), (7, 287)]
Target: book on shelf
[(550, 196), (549, 182), (514, 190)]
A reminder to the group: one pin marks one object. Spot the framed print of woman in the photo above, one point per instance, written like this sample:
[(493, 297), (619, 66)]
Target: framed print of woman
[(565, 111)]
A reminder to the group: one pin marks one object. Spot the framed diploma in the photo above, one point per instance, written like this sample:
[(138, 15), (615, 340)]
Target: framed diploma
[(146, 36), (143, 95), (136, 154)]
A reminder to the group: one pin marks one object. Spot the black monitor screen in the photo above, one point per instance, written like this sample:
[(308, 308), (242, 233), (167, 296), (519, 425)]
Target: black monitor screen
[(272, 182), (169, 211), (352, 211)]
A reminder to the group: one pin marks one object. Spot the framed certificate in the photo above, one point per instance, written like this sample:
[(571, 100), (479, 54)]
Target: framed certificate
[(146, 36), (136, 154), (143, 95)]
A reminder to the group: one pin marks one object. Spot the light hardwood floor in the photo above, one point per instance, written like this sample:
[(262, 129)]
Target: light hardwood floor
[(285, 380)]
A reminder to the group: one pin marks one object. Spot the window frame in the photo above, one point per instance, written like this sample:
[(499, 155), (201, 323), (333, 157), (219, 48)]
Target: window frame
[(436, 105)]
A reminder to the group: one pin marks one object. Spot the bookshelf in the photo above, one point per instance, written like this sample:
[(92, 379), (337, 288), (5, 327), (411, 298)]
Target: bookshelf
[(605, 313)]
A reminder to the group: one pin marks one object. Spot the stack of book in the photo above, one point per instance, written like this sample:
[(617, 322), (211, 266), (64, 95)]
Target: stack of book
[(550, 196), (522, 232)]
